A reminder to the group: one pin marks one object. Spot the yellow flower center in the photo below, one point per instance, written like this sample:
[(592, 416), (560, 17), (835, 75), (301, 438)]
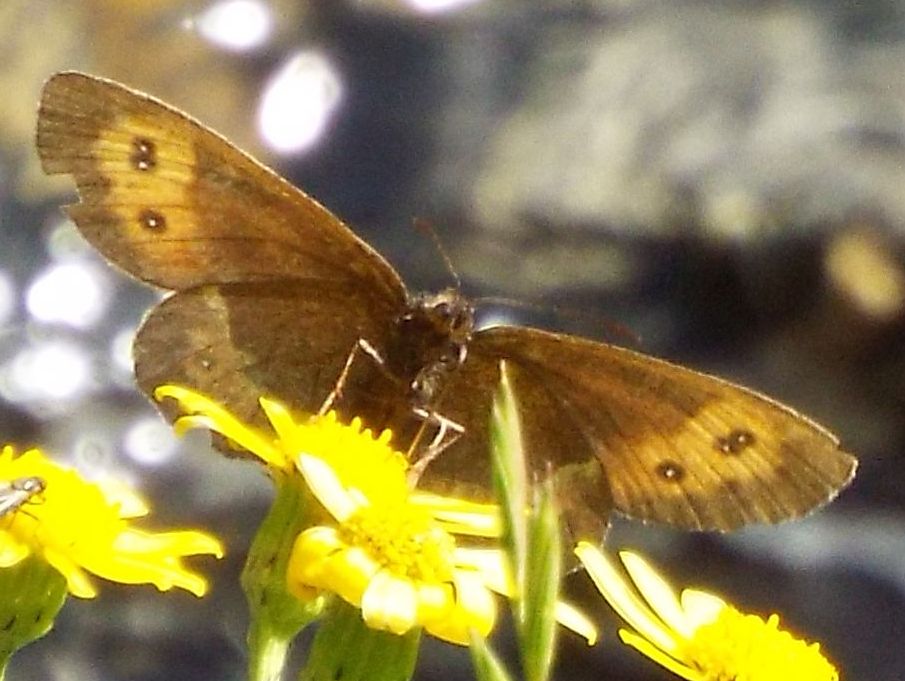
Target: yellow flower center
[(403, 539), (739, 647)]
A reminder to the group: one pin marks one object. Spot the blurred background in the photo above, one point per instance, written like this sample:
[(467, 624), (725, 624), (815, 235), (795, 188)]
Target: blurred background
[(723, 180)]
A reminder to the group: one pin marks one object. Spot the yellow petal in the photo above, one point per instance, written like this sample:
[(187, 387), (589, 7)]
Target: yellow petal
[(459, 516), (131, 505), (351, 571), (645, 647), (210, 415), (77, 581), (12, 550), (280, 418)]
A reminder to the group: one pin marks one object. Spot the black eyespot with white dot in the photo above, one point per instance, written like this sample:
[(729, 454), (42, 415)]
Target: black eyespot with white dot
[(152, 220), (736, 442), (670, 471), (144, 154)]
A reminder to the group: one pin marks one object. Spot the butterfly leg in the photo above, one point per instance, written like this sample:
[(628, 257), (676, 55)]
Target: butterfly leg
[(360, 346), (448, 432)]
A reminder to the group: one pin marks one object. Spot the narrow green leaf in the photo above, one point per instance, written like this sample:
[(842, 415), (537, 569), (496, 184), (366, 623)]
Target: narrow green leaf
[(487, 666), (530, 536), (509, 474), (541, 587)]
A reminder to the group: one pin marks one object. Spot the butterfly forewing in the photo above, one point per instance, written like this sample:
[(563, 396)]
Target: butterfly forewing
[(178, 206)]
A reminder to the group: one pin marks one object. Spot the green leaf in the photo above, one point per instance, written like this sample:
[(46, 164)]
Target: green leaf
[(509, 474), (541, 588), (530, 535), (32, 594), (486, 665)]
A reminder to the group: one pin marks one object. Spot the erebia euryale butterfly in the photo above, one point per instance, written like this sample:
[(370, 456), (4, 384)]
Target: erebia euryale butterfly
[(271, 292)]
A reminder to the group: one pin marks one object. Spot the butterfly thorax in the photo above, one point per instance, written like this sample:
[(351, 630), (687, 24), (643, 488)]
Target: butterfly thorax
[(432, 341)]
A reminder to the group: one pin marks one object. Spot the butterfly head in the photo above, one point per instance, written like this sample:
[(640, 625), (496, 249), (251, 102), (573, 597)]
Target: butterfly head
[(444, 322), (448, 312)]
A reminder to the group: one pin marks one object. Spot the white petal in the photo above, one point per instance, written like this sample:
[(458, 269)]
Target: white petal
[(490, 564), (389, 603), (473, 597), (622, 598), (327, 487), (657, 592), (572, 618), (701, 607)]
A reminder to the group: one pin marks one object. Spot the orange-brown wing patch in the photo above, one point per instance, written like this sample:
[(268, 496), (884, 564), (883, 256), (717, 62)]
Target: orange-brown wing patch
[(176, 205), (674, 445)]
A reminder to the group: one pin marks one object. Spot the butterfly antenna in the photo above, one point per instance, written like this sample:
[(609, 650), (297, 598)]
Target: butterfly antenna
[(611, 328), (427, 227)]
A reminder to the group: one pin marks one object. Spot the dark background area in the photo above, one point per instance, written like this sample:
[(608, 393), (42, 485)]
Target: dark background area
[(717, 183)]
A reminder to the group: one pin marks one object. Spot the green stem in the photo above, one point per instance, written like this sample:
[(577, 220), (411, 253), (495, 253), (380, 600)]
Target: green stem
[(271, 650), (276, 615), (346, 648)]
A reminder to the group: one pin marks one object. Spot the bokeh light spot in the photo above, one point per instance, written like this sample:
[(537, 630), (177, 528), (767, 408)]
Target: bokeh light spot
[(150, 441), (238, 25), (298, 102), (440, 6), (72, 293), (52, 370)]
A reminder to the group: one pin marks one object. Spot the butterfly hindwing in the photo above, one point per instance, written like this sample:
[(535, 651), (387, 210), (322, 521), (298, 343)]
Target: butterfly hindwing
[(672, 445), (236, 342)]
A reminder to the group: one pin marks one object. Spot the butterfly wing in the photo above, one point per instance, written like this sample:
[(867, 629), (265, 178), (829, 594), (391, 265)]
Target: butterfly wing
[(236, 342), (272, 289), (653, 440), (176, 205)]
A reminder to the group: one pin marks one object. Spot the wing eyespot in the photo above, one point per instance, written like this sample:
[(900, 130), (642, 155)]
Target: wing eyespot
[(144, 154), (736, 442), (670, 471), (152, 220)]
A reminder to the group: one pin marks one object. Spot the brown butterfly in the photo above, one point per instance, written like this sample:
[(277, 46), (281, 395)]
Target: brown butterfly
[(272, 291)]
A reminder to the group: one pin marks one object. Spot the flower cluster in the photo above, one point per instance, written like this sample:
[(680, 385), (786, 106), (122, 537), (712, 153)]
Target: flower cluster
[(390, 550), (405, 558), (698, 636), (80, 527)]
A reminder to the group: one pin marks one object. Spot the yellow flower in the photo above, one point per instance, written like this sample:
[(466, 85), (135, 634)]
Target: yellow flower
[(80, 527), (323, 434), (397, 559), (390, 550), (698, 636)]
